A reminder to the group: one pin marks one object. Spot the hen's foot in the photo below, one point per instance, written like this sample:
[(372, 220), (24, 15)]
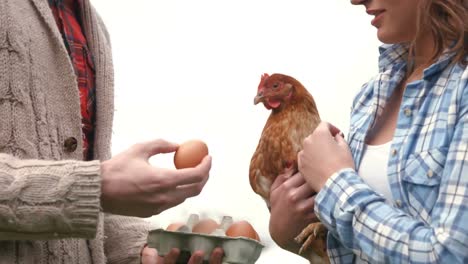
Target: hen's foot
[(313, 236)]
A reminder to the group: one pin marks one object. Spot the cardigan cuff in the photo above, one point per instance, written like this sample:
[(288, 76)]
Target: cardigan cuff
[(85, 199)]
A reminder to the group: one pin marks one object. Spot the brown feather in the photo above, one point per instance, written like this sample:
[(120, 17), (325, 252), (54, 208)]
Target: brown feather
[(283, 134), (293, 117)]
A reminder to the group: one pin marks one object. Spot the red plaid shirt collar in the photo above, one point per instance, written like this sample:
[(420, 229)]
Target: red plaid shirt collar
[(67, 14)]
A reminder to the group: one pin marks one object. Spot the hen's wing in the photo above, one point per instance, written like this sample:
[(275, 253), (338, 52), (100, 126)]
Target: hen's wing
[(275, 152)]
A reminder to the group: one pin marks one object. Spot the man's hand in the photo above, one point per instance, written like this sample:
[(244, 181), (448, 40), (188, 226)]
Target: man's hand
[(132, 186), (150, 256), (292, 209)]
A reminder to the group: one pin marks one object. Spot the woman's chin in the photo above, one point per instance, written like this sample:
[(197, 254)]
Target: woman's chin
[(384, 38), (388, 38)]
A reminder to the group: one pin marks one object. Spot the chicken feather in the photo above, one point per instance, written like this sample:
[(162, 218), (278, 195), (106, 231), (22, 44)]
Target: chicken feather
[(293, 117)]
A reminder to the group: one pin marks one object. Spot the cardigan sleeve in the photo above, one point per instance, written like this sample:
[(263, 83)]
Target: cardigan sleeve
[(48, 199), (125, 238)]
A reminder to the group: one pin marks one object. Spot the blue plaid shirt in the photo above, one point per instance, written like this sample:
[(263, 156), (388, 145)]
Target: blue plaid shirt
[(427, 171)]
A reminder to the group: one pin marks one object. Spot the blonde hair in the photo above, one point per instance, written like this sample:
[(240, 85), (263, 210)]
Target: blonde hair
[(448, 22)]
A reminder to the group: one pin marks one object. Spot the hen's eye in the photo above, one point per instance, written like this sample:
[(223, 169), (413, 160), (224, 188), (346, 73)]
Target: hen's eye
[(275, 85)]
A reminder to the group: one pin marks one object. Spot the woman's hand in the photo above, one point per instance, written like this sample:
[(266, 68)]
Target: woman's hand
[(132, 186), (150, 256), (324, 153), (292, 209)]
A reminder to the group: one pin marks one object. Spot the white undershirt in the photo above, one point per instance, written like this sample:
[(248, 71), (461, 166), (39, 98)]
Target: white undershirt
[(373, 170)]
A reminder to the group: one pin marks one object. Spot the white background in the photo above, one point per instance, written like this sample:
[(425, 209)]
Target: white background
[(189, 69)]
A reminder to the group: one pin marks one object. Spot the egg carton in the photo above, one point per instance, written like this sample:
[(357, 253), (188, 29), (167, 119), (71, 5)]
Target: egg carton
[(237, 250)]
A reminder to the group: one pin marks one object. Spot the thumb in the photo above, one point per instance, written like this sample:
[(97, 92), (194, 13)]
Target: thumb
[(339, 138), (151, 148), (333, 129), (149, 256)]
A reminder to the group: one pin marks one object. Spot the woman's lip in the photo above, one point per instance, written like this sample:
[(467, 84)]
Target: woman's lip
[(374, 12), (377, 18)]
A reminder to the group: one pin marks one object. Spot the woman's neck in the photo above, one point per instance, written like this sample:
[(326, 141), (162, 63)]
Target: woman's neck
[(424, 50)]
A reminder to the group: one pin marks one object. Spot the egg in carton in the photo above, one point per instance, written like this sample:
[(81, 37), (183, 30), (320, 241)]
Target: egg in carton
[(233, 237)]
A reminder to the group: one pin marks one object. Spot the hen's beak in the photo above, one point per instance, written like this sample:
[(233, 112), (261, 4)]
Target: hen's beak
[(258, 98)]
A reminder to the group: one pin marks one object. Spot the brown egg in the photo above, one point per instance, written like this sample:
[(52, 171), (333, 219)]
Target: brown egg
[(190, 154), (242, 229), (205, 226), (174, 226)]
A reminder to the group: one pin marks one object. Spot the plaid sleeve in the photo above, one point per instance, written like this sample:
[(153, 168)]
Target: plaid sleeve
[(365, 223)]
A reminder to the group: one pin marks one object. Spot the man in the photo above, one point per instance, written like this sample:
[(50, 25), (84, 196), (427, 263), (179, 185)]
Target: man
[(62, 198)]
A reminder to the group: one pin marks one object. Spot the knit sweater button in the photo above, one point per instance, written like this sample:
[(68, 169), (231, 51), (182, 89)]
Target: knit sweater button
[(70, 144)]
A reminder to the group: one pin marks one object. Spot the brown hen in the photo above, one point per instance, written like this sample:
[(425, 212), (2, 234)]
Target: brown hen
[(293, 117)]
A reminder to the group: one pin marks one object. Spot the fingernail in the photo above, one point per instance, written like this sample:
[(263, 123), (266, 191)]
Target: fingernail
[(217, 256), (219, 259), (198, 258)]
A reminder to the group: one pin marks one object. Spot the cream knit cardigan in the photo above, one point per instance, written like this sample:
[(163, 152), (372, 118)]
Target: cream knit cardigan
[(49, 198)]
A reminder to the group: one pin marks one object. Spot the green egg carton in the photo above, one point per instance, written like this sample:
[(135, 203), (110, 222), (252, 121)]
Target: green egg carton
[(237, 250)]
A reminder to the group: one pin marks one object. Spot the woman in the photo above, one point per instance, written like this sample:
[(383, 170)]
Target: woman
[(397, 190)]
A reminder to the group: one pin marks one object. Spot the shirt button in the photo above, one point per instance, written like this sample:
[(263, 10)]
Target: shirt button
[(394, 152), (430, 173), (398, 203), (70, 144), (408, 112)]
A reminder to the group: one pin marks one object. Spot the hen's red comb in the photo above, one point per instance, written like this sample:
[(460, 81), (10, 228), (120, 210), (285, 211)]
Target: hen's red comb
[(262, 81)]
